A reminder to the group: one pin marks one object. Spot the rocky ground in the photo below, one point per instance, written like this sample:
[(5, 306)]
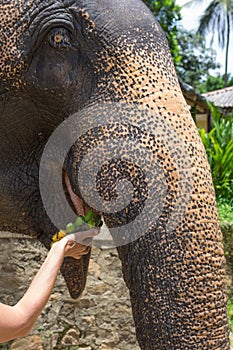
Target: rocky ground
[(101, 319)]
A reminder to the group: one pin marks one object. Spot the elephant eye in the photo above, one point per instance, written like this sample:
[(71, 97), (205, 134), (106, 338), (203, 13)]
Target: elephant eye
[(59, 38)]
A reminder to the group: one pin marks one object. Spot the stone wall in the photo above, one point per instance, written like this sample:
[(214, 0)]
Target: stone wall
[(100, 319)]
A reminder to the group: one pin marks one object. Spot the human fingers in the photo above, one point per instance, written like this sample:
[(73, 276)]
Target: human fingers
[(83, 237), (76, 250)]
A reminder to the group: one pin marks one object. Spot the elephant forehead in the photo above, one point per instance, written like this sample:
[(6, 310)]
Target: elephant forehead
[(16, 17), (13, 23), (12, 12), (107, 17), (114, 16)]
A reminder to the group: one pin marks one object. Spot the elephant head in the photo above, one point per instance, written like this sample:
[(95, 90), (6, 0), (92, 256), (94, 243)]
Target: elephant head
[(92, 115)]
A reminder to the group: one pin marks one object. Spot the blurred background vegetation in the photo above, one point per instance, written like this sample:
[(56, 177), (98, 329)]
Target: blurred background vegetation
[(195, 63)]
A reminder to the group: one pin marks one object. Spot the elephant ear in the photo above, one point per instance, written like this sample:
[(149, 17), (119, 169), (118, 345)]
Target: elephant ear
[(75, 274)]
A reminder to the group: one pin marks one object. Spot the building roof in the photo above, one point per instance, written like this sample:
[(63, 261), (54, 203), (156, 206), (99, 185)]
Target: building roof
[(221, 98)]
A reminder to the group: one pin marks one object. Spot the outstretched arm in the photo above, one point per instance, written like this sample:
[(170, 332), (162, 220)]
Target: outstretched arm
[(17, 321)]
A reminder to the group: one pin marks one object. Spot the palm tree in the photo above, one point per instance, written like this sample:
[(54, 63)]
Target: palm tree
[(218, 16)]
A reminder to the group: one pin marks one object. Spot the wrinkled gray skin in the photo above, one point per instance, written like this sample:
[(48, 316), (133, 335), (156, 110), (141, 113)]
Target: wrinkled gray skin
[(58, 57)]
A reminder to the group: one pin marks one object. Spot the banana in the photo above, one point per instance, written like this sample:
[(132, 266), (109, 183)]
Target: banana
[(58, 236)]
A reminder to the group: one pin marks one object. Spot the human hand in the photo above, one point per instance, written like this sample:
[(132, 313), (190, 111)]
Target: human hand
[(78, 244)]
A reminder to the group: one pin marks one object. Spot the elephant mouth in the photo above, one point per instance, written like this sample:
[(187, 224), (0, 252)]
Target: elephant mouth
[(77, 204)]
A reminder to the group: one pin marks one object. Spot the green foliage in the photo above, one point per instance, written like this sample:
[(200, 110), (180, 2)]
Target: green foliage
[(5, 346), (230, 313), (196, 60), (225, 211), (214, 19), (219, 149), (167, 13), (192, 59), (212, 83)]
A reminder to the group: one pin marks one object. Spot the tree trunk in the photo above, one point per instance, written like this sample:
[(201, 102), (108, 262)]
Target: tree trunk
[(227, 50)]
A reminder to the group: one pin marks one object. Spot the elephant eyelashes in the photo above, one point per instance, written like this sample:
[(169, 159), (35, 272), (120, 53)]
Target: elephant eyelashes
[(59, 38)]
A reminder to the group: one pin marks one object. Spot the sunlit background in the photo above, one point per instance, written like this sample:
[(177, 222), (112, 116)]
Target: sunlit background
[(190, 20)]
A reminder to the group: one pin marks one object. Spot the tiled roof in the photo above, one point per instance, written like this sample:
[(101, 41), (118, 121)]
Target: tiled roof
[(221, 98)]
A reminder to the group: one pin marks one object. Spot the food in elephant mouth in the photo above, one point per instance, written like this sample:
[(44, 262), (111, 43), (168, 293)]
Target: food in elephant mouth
[(86, 218), (82, 223), (79, 206)]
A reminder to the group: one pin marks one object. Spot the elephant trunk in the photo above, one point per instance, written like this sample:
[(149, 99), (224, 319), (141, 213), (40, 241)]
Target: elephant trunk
[(177, 286), (140, 162), (153, 185)]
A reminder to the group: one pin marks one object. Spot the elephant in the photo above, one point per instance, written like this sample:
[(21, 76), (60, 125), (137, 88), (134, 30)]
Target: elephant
[(98, 78)]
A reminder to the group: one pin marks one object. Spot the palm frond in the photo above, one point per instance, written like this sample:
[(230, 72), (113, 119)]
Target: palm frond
[(214, 19), (191, 3)]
